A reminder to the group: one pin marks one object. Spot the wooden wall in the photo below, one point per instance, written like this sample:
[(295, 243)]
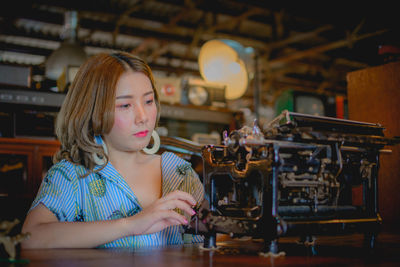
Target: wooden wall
[(374, 96)]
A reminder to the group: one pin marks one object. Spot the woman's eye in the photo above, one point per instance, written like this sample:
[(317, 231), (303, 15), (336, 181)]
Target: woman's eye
[(150, 101), (124, 106)]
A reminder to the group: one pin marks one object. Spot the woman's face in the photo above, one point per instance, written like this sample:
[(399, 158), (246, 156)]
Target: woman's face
[(135, 113)]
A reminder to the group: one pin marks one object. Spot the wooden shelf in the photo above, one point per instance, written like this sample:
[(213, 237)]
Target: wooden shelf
[(197, 113)]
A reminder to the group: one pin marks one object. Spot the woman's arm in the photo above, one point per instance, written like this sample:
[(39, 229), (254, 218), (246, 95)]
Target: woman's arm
[(47, 232)]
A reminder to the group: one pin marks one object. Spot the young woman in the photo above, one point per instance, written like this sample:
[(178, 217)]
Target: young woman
[(104, 189)]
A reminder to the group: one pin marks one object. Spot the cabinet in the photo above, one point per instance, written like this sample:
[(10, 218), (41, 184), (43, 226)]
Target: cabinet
[(23, 163)]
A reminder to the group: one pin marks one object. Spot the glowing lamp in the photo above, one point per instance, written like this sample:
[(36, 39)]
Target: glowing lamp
[(226, 61)]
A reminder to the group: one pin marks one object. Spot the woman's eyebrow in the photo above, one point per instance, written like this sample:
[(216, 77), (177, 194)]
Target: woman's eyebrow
[(123, 96), (149, 93), (131, 96)]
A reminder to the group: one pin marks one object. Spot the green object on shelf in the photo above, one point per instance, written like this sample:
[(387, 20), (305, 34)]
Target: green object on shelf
[(284, 102)]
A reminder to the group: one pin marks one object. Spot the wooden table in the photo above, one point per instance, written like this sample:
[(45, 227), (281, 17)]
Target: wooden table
[(333, 251)]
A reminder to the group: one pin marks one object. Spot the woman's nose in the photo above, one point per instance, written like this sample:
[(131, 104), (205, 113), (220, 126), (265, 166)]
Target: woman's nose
[(140, 115)]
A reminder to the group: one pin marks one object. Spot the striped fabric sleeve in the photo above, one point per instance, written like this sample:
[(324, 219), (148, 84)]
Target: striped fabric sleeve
[(57, 193)]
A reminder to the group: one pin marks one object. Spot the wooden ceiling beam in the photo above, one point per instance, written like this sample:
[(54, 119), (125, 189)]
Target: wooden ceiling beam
[(300, 37), (234, 21), (124, 16), (185, 11), (278, 62)]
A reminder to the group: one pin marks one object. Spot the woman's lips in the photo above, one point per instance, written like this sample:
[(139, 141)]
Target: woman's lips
[(141, 134)]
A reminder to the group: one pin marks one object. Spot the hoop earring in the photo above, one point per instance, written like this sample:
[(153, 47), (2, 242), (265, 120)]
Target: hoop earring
[(97, 159), (156, 144)]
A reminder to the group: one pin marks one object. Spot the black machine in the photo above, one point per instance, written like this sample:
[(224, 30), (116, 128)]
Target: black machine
[(295, 177)]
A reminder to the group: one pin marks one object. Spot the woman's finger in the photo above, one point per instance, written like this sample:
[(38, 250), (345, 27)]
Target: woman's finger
[(176, 203), (172, 215), (180, 195)]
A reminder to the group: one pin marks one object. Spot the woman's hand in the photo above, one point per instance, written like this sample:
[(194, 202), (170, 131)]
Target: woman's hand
[(161, 214)]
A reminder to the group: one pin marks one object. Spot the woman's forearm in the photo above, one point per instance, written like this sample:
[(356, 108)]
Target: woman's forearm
[(74, 234)]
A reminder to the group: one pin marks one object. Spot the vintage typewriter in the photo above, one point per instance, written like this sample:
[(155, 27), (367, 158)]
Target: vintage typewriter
[(295, 177)]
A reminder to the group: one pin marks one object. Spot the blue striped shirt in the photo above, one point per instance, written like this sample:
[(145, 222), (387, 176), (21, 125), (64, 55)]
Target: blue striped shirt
[(105, 195)]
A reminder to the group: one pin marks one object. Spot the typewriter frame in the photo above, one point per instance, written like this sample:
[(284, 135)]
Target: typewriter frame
[(332, 155)]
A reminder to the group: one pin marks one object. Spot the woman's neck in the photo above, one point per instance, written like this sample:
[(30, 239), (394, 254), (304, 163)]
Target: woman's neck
[(128, 159)]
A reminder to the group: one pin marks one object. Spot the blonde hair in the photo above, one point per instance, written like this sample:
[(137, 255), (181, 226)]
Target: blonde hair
[(88, 109)]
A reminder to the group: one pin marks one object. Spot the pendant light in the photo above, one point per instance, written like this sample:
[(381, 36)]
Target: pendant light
[(70, 53)]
